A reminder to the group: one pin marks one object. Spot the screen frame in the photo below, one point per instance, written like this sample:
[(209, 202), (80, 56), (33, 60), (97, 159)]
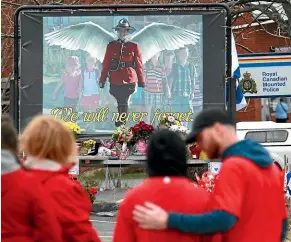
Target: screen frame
[(77, 10)]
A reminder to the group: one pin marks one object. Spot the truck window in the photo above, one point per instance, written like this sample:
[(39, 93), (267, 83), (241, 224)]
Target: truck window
[(268, 136)]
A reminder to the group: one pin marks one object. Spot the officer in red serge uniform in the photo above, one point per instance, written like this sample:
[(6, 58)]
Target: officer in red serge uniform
[(122, 65)]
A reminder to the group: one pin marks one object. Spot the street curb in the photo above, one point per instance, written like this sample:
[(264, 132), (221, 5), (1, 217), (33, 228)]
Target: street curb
[(104, 207)]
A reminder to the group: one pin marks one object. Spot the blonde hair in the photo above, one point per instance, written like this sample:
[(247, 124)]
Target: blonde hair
[(48, 138)]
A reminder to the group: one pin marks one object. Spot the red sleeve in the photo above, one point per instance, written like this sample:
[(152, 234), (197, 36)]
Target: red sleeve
[(229, 188), (48, 227), (124, 229), (105, 65), (73, 209), (138, 65)]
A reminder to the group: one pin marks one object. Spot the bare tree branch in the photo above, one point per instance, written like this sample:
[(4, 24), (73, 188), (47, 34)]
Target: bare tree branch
[(36, 2), (13, 4), (245, 48)]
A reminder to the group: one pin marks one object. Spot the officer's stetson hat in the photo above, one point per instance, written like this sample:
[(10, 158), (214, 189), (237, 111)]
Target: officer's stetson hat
[(124, 24)]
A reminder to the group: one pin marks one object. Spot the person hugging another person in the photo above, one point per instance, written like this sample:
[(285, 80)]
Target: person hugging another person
[(157, 86), (167, 186), (71, 80)]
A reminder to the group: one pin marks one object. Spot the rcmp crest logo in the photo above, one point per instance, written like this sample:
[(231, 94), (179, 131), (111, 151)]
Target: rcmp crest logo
[(248, 84)]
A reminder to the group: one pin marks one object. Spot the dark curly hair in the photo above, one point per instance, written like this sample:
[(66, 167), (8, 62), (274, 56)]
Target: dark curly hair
[(9, 138)]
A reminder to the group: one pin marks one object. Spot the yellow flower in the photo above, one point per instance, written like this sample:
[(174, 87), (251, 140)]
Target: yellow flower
[(73, 127)]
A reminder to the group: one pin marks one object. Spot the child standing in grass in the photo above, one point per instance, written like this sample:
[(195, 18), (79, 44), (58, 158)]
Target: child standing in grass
[(71, 80)]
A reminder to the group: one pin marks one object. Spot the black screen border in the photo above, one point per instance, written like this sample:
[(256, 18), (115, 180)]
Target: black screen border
[(30, 46)]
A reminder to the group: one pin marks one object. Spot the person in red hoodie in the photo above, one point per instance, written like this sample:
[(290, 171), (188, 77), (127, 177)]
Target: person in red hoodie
[(167, 186), (248, 203), (26, 212), (50, 146)]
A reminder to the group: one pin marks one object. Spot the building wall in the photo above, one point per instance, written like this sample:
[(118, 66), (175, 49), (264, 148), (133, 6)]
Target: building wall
[(256, 40)]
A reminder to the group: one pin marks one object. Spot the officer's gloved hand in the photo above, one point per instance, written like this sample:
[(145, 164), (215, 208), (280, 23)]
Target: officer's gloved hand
[(140, 84), (101, 84)]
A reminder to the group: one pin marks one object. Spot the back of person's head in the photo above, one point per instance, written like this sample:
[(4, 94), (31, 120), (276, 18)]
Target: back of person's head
[(9, 138), (281, 99), (167, 154), (46, 138)]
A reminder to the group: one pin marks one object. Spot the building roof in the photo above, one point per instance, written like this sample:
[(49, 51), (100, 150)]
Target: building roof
[(277, 6)]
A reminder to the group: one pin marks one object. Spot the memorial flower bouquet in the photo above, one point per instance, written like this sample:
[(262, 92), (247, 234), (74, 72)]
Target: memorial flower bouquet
[(75, 128), (122, 134), (179, 129), (167, 121), (89, 144), (141, 131), (206, 181)]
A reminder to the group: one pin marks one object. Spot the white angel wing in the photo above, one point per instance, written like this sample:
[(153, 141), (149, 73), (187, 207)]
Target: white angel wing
[(157, 37), (86, 36)]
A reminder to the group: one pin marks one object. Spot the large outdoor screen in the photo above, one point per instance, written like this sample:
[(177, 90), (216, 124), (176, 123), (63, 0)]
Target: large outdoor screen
[(103, 69)]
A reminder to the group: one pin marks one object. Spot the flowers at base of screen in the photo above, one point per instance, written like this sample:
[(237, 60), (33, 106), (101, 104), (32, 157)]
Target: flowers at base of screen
[(122, 134), (89, 143), (141, 130), (168, 121), (179, 129), (75, 128), (171, 119), (206, 181)]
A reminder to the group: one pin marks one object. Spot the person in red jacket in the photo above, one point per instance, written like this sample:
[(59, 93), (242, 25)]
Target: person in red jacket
[(26, 211), (248, 202), (50, 146), (122, 65), (167, 186)]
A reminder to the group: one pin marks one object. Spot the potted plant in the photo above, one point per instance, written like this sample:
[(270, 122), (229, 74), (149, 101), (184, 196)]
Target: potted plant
[(141, 133)]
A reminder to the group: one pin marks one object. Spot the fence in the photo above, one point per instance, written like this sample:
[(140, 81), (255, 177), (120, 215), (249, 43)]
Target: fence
[(114, 177)]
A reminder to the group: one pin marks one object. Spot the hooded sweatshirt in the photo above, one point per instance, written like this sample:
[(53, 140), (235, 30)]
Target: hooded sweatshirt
[(26, 211), (248, 200), (70, 200)]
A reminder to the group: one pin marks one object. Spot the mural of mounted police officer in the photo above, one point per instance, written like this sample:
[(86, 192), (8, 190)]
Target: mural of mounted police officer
[(122, 65)]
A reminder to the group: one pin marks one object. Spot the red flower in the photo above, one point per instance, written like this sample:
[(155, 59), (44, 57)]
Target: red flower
[(207, 181), (93, 191)]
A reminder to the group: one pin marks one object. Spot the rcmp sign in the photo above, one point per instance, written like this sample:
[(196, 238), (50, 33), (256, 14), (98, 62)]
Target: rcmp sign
[(248, 84), (265, 75)]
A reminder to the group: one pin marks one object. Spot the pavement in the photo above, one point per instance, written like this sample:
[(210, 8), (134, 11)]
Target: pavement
[(104, 227), (106, 204)]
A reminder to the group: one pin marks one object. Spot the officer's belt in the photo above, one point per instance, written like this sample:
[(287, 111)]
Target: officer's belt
[(124, 64)]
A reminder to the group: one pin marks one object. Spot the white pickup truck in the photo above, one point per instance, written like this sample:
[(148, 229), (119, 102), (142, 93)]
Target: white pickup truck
[(276, 137)]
